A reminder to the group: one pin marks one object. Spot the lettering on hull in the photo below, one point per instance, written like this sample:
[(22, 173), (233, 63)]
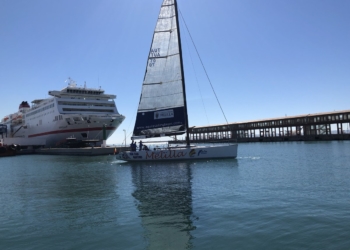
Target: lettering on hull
[(169, 154)]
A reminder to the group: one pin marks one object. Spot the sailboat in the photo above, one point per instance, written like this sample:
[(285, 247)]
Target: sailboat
[(162, 109)]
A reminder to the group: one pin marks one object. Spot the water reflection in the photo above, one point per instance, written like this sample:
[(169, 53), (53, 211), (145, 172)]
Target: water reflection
[(164, 199)]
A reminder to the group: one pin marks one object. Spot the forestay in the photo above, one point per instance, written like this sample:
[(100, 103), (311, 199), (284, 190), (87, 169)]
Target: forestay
[(161, 108)]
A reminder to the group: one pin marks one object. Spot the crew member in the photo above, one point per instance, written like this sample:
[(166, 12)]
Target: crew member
[(140, 145)]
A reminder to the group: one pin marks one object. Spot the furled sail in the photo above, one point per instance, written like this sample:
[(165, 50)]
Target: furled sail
[(161, 108)]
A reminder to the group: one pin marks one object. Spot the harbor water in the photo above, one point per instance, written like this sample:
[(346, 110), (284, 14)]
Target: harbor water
[(287, 195)]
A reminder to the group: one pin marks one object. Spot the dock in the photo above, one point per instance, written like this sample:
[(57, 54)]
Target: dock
[(86, 151), (90, 151)]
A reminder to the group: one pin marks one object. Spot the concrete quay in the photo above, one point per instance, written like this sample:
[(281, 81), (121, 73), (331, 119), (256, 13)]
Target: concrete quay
[(87, 151)]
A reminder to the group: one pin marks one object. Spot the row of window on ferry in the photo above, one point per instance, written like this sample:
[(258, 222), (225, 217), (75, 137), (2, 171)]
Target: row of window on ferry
[(40, 110), (83, 92)]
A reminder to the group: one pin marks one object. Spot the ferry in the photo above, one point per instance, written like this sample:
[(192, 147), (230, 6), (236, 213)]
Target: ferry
[(85, 114)]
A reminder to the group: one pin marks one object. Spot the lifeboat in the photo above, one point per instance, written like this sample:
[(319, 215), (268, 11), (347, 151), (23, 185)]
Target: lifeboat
[(14, 118), (5, 118), (17, 117)]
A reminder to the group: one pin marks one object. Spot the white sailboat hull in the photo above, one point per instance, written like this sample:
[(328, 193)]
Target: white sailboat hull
[(181, 153)]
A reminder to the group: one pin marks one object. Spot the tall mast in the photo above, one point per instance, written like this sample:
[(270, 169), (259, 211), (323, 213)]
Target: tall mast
[(182, 75)]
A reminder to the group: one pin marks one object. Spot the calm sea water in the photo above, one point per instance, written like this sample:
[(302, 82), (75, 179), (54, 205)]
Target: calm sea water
[(286, 195)]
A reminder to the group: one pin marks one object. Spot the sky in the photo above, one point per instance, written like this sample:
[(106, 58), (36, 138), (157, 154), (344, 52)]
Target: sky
[(265, 59)]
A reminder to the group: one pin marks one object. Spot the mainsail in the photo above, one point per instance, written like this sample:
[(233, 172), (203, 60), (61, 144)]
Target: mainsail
[(162, 107)]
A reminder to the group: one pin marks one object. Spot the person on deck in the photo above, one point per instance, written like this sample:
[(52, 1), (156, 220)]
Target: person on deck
[(133, 146), (140, 145)]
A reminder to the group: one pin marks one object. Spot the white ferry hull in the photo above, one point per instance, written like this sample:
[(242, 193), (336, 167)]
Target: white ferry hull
[(185, 153), (74, 112), (55, 134)]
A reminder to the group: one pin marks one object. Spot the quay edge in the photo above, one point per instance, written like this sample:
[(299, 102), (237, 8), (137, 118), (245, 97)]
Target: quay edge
[(87, 151)]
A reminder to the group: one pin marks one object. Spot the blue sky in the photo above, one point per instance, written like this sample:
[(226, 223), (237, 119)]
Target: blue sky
[(265, 59)]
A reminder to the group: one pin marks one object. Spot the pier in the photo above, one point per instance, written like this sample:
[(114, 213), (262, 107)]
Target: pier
[(310, 127)]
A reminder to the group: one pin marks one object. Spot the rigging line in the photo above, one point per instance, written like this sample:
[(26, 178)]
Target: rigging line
[(195, 73), (203, 66), (131, 132)]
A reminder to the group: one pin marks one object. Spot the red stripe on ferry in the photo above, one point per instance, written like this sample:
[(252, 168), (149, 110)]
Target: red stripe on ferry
[(70, 130)]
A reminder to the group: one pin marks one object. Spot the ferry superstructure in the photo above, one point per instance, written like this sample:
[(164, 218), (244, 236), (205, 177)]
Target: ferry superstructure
[(73, 112)]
